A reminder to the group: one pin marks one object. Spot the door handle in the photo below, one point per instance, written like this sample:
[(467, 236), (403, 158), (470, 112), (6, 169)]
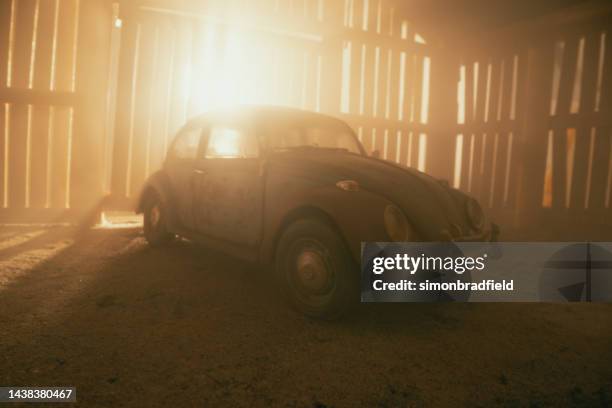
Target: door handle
[(199, 171)]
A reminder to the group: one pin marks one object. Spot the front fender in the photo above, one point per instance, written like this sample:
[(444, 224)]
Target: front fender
[(357, 215)]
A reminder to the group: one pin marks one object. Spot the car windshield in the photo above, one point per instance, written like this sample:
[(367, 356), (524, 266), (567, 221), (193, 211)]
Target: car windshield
[(313, 136)]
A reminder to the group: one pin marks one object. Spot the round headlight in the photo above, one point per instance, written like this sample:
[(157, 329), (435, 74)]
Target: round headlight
[(397, 226), (475, 214)]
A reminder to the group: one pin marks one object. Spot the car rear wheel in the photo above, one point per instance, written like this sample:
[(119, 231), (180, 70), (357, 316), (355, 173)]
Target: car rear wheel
[(155, 226), (315, 270)]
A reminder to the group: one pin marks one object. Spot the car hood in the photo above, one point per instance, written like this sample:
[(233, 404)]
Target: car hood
[(430, 205)]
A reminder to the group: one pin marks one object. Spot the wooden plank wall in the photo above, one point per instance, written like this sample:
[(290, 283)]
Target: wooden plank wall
[(532, 133), (356, 59), (533, 142), (39, 42)]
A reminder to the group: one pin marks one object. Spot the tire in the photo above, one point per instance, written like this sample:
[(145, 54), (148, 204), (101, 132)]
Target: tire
[(315, 270), (154, 224)]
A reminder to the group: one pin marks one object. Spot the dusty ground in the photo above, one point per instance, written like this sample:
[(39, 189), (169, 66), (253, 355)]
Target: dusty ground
[(129, 325)]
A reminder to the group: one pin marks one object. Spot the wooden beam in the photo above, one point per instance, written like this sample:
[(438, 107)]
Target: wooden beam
[(37, 97), (588, 14), (532, 143), (87, 173)]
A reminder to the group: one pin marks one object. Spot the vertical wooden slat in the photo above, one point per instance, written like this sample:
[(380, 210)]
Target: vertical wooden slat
[(17, 155), (180, 87), (382, 140), (504, 135), (65, 56), (439, 108), (417, 89), (38, 156), (369, 70), (88, 159), (600, 169), (366, 140), (5, 28), (162, 89), (44, 45), (23, 43), (414, 149), (489, 139), (469, 121), (375, 137), (479, 138), (331, 86), (385, 62), (603, 138), (392, 145), (153, 113), (4, 117), (355, 85), (127, 60), (374, 140), (568, 71), (383, 75), (404, 146), (141, 113), (409, 86), (516, 158), (583, 132), (358, 14), (19, 132), (394, 83), (198, 64), (62, 116), (384, 9), (40, 116), (534, 133), (566, 87)]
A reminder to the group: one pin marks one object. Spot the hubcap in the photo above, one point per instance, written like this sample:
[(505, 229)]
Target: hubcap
[(313, 273)]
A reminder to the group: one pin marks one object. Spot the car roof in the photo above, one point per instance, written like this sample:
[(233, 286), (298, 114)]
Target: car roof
[(264, 113)]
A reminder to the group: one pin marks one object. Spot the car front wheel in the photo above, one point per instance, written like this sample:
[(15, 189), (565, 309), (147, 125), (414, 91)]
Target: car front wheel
[(155, 227), (315, 269)]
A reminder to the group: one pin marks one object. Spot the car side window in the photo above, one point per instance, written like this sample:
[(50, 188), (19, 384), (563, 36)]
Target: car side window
[(185, 145), (226, 142)]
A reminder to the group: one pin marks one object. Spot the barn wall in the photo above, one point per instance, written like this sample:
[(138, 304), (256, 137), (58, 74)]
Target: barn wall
[(533, 128), (92, 91), (355, 59), (52, 89)]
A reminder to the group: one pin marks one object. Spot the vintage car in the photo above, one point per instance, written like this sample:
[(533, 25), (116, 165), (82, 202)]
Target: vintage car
[(295, 190)]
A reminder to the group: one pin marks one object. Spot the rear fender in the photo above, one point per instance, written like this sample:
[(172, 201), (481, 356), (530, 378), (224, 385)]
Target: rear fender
[(158, 184)]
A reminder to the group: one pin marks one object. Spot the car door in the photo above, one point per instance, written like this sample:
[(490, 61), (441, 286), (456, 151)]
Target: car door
[(229, 184), (179, 166)]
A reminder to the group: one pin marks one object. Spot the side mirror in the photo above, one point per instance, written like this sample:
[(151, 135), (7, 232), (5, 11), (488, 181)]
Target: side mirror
[(375, 154)]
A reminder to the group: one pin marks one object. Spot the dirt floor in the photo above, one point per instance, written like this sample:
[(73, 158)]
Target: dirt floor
[(181, 326)]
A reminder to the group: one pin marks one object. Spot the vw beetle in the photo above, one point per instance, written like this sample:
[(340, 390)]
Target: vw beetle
[(296, 191)]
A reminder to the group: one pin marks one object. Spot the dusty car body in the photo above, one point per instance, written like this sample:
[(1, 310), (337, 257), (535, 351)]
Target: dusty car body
[(258, 182)]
